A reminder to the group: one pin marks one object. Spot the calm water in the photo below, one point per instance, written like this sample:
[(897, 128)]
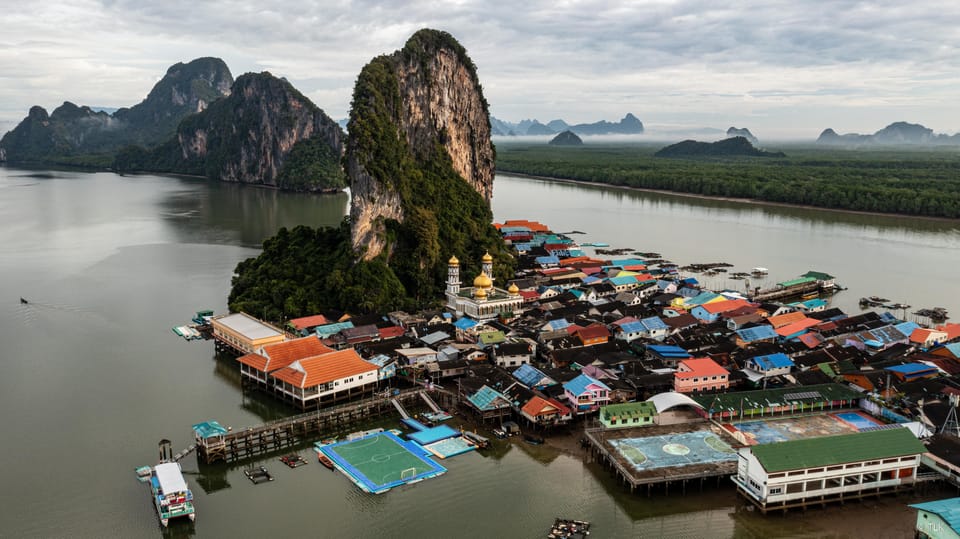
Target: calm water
[(93, 377)]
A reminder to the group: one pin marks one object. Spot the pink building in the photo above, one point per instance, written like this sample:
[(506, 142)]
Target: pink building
[(698, 375)]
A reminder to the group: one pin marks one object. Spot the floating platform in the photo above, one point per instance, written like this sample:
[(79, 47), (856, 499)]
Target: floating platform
[(450, 447), (293, 460), (437, 417), (381, 461), (565, 528), (258, 475), (434, 434)]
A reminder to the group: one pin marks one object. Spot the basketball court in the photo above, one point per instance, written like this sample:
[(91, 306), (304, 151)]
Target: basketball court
[(381, 461)]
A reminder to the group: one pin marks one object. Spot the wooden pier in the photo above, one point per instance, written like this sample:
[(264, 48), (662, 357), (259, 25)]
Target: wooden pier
[(781, 292), (603, 452), (275, 435)]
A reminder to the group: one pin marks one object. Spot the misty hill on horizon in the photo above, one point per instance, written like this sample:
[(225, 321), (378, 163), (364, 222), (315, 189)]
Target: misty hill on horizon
[(628, 125), (895, 134)]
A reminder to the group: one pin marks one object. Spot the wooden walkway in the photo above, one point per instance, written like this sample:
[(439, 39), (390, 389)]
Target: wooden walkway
[(275, 435)]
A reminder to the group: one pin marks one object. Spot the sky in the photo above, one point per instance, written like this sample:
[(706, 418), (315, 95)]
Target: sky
[(783, 69)]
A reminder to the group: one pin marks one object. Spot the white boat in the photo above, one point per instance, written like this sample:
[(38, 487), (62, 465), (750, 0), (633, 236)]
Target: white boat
[(171, 496), (759, 271)]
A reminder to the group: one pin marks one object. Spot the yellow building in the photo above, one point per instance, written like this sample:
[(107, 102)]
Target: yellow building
[(243, 333), (482, 301)]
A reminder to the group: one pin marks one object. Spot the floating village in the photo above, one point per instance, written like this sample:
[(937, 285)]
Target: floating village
[(670, 385)]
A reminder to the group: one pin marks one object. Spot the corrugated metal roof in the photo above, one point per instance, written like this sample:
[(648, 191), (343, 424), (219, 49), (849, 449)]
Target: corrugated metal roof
[(757, 333), (773, 361), (578, 385), (486, 397), (948, 510), (798, 280), (831, 450)]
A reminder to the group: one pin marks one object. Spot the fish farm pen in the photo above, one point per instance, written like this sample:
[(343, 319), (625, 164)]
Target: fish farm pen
[(215, 443)]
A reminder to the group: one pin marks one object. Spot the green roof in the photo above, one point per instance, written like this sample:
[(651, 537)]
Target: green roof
[(492, 337), (842, 449), (798, 280), (819, 275), (763, 398), (629, 409)]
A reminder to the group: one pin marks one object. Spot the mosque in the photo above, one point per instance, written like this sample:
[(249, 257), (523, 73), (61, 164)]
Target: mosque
[(482, 301)]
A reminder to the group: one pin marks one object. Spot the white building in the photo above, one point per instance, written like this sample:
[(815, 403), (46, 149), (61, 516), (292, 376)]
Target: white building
[(832, 468), (482, 301)]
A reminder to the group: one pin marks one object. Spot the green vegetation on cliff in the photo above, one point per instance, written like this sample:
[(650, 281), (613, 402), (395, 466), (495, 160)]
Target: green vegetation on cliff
[(925, 183), (305, 271)]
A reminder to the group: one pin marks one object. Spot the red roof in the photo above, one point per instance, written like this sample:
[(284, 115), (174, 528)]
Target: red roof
[(785, 319), (951, 329), (723, 306), (279, 355), (391, 332), (532, 225), (594, 331), (309, 322), (314, 371), (701, 367), (797, 327), (538, 406), (529, 295)]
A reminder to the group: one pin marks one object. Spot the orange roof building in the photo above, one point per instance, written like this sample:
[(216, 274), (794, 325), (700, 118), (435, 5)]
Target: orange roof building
[(545, 411), (325, 378), (273, 357), (698, 375)]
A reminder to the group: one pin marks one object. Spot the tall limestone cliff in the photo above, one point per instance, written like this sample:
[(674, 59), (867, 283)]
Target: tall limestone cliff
[(265, 132), (419, 132), (77, 134)]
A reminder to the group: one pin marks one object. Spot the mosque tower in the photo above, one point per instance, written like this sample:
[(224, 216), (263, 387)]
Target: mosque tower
[(453, 276)]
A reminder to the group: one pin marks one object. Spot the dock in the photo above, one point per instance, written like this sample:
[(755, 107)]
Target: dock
[(252, 441), (602, 445)]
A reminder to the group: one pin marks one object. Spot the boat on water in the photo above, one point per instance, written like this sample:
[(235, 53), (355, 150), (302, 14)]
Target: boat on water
[(293, 460), (476, 439), (171, 496), (533, 439), (325, 460), (759, 271), (258, 475)]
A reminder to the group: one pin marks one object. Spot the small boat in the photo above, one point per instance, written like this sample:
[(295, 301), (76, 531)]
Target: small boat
[(759, 271), (325, 460), (533, 439), (293, 460), (23, 301), (171, 496), (258, 475), (476, 439)]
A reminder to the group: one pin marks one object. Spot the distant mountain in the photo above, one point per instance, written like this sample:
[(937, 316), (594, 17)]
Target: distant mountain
[(567, 138), (745, 133), (266, 132), (629, 125), (895, 134), (736, 146), (73, 133)]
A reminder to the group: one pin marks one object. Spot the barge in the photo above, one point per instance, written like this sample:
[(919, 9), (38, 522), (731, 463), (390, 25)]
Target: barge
[(171, 496)]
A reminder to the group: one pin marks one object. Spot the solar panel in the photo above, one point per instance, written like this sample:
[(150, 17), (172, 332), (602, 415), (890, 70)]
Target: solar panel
[(802, 396)]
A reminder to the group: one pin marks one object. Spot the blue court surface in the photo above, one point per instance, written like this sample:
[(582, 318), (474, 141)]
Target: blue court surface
[(450, 447), (381, 461), (795, 428), (858, 420), (665, 451)]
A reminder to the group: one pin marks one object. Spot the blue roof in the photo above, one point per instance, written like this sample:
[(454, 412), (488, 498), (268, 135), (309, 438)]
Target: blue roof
[(484, 398), (626, 262), (654, 322), (633, 327), (911, 368), (669, 351), (616, 281), (688, 292), (948, 510), (702, 298), (590, 279), (888, 334), (773, 361), (327, 330), (380, 360), (208, 429), (515, 229), (690, 281), (547, 260), (814, 303), (954, 348), (431, 435), (525, 246), (757, 333), (578, 385), (558, 324), (529, 375), (464, 323), (907, 328), (576, 252)]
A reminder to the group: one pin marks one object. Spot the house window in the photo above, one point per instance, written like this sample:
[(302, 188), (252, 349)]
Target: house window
[(776, 490)]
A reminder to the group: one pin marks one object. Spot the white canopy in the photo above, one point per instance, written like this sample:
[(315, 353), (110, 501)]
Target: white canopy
[(170, 478), (672, 399)]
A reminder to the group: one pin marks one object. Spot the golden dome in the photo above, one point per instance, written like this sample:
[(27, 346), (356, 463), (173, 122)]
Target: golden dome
[(482, 281), (480, 293), (487, 258), (513, 289), (454, 261)]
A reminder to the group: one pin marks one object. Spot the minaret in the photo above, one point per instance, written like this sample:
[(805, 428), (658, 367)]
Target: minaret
[(453, 277), (486, 265)]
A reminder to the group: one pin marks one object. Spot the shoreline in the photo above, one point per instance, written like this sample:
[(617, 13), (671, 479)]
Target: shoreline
[(748, 201)]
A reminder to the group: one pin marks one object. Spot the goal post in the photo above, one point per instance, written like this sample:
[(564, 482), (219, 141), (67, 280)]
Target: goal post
[(408, 474)]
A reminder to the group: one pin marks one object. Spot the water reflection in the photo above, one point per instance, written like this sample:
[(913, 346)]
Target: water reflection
[(201, 211)]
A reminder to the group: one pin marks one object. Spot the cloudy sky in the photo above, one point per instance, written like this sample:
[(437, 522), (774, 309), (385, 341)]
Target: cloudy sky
[(781, 68)]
